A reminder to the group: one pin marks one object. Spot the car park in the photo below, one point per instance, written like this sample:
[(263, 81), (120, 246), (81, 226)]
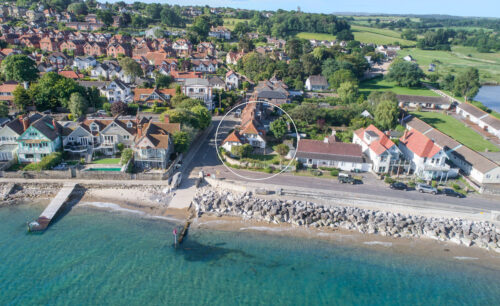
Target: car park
[(424, 188)]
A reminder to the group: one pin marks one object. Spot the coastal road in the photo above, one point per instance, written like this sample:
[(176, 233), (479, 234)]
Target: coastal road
[(208, 161)]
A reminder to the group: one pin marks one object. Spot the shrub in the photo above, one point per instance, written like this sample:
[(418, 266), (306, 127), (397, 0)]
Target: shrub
[(389, 180), (334, 172), (126, 156), (316, 172), (411, 184), (456, 187), (120, 147), (47, 163), (327, 168), (434, 184), (268, 170)]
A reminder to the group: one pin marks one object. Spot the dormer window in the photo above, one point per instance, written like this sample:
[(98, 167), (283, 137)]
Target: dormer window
[(129, 124), (113, 124), (94, 127)]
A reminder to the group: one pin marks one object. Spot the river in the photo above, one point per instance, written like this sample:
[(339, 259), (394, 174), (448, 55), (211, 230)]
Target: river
[(490, 97)]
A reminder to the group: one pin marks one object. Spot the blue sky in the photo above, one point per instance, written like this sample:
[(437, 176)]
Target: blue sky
[(482, 8)]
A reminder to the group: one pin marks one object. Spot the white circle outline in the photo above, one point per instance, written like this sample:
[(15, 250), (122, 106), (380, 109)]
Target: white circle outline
[(242, 176)]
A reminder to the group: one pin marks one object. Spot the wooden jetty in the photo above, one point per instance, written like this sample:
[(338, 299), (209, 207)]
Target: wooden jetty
[(52, 209)]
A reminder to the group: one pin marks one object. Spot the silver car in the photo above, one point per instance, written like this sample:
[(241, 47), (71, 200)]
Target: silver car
[(426, 188)]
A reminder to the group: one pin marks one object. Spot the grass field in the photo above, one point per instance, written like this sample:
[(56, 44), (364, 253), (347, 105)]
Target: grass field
[(457, 130), (379, 84), (365, 35), (459, 59), (318, 36), (107, 161), (230, 23)]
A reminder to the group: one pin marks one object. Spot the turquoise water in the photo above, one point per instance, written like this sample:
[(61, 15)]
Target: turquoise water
[(95, 257), (104, 169)]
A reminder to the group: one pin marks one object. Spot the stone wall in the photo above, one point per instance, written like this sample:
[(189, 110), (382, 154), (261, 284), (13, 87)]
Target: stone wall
[(307, 214), (44, 174)]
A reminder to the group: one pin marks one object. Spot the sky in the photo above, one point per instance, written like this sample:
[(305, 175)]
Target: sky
[(479, 8)]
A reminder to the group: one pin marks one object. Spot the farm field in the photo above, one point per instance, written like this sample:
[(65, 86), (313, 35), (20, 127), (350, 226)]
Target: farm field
[(230, 23), (457, 130), (317, 36), (365, 35), (379, 84), (460, 58)]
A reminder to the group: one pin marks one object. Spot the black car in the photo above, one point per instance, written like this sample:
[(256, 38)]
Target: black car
[(452, 193), (398, 186)]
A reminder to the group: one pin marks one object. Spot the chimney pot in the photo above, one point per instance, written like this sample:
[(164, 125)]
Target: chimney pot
[(25, 122)]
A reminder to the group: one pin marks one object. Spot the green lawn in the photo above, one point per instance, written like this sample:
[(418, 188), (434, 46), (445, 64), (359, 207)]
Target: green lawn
[(107, 161), (457, 130), (317, 36), (230, 23), (379, 84), (459, 59)]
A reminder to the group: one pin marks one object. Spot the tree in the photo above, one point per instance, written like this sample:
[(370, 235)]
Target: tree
[(345, 35), (118, 108), (53, 90), (386, 114), (348, 92), (78, 8), (20, 68), (4, 109), (131, 67), (181, 141), (405, 73), (310, 64), (163, 81), (341, 76), (202, 115), (240, 29), (242, 151), (279, 128), (467, 83), (77, 104), (282, 149), (106, 16), (21, 97)]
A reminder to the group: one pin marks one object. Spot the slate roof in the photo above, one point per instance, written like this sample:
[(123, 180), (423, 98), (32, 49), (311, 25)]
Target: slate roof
[(318, 80), (422, 99), (46, 126), (17, 126), (338, 151)]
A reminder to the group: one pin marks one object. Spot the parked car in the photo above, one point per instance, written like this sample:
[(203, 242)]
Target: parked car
[(398, 186), (423, 188), (347, 178), (452, 193)]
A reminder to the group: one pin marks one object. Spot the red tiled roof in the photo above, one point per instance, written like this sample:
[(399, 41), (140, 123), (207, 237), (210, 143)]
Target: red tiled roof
[(380, 145), (70, 74), (419, 144), (233, 137)]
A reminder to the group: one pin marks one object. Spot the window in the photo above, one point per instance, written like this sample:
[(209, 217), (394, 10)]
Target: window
[(488, 176), (126, 137), (129, 124)]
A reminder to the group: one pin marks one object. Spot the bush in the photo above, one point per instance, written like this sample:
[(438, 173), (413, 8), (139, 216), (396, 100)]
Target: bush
[(434, 184), (334, 172), (47, 163), (327, 168), (411, 184), (456, 187), (120, 147), (316, 172), (389, 180), (268, 170), (126, 156)]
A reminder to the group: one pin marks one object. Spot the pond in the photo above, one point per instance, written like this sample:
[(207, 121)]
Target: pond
[(490, 97)]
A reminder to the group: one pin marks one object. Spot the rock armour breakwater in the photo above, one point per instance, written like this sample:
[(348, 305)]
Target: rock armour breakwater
[(302, 213)]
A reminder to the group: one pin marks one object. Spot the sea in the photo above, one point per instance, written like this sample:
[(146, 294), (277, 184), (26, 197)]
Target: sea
[(489, 96), (97, 257)]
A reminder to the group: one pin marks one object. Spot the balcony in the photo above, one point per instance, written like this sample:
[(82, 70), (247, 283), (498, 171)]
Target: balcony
[(76, 148)]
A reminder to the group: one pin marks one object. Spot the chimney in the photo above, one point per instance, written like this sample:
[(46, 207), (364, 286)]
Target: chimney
[(139, 131), (166, 119), (25, 122), (54, 123)]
